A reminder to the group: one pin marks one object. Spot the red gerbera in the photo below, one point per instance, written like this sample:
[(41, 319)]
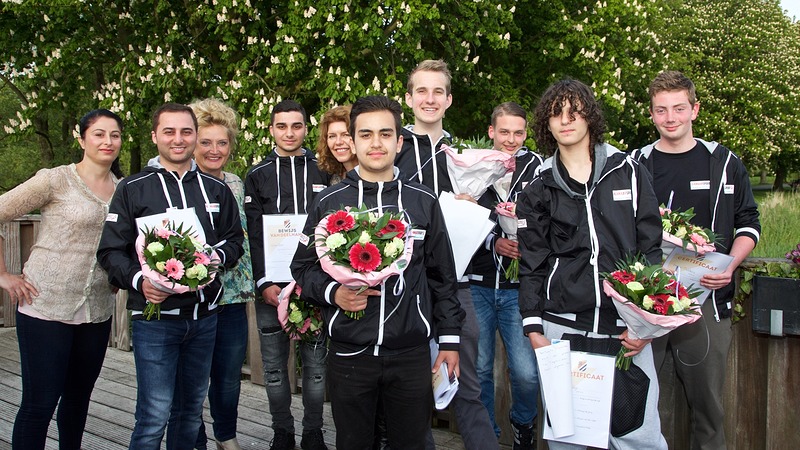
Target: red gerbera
[(394, 226), (365, 258), (661, 303), (340, 221), (681, 290), (623, 277)]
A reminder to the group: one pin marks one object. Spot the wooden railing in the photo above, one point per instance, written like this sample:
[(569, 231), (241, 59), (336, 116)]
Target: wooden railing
[(762, 391)]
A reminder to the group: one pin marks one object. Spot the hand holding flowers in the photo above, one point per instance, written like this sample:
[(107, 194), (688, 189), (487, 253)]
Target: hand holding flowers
[(507, 219), (361, 248), (299, 319), (651, 301), (174, 261)]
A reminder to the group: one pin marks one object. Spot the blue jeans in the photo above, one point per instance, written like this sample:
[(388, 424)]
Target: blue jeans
[(60, 364), (226, 372), (173, 364), (498, 309), (275, 359)]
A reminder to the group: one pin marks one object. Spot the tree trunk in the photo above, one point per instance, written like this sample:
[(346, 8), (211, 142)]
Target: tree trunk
[(763, 177), (780, 178), (42, 128), (136, 158)]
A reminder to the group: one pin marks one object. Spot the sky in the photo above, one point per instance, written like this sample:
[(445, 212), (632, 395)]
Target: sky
[(793, 8)]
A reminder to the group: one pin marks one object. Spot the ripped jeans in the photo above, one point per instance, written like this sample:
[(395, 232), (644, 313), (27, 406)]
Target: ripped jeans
[(275, 359)]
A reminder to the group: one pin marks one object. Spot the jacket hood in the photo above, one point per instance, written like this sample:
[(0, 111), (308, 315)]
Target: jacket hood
[(602, 153), (647, 150), (154, 165), (306, 155), (409, 130), (353, 178)]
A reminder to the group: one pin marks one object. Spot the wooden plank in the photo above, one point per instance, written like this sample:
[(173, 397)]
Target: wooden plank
[(121, 328), (253, 367), (783, 393), (13, 260)]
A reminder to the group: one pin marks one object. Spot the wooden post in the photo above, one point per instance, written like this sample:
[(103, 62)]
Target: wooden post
[(121, 322), (13, 261), (254, 366)]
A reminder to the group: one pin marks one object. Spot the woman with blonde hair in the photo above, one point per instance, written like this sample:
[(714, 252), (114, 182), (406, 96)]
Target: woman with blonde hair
[(335, 152), (64, 298), (216, 140)]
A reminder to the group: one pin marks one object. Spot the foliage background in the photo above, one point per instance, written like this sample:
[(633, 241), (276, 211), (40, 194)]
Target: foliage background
[(61, 58)]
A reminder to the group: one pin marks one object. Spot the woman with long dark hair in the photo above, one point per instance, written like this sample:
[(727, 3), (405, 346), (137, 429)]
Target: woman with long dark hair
[(65, 301)]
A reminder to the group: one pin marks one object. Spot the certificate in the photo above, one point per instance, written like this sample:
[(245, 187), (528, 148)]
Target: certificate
[(592, 391), (281, 235), (689, 267), (185, 218)]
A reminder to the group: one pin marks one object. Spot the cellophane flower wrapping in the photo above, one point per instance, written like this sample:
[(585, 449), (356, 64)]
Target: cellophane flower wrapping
[(507, 219), (301, 320), (175, 261), (360, 248), (650, 301), (474, 170)]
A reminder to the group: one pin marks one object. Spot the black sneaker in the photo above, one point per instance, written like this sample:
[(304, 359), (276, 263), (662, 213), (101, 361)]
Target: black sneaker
[(523, 436), (312, 440), (282, 440)]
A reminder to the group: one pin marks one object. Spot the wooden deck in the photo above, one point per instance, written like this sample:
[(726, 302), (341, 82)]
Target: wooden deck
[(111, 420)]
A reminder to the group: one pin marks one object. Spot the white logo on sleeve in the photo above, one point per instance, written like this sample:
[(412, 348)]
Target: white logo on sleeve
[(418, 234), (212, 207), (248, 199), (111, 217), (729, 188), (700, 185)]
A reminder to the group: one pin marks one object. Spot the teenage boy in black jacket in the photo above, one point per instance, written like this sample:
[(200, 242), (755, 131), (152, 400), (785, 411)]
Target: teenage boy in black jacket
[(494, 296), (421, 159), (709, 178), (286, 182), (384, 354), (590, 206), (173, 352)]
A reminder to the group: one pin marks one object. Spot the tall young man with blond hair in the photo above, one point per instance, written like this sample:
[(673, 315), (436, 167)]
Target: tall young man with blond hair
[(422, 160)]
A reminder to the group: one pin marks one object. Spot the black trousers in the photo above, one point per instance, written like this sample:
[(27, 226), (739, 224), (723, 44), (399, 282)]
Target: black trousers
[(402, 381)]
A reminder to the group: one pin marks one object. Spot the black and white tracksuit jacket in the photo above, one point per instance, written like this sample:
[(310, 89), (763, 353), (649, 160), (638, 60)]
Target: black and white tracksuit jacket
[(278, 185), (416, 160), (567, 239), (155, 190), (733, 209), (413, 307), (487, 268)]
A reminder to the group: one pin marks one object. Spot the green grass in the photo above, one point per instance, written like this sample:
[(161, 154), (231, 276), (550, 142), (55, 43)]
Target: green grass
[(780, 222)]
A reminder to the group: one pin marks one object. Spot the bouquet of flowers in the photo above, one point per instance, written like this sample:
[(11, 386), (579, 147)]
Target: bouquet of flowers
[(680, 232), (507, 219), (794, 255), (362, 247), (651, 301), (175, 261), (474, 170), (299, 319)]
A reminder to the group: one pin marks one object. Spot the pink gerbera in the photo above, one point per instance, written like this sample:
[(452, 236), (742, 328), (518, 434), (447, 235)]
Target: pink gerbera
[(201, 258), (698, 239), (340, 221), (174, 269), (163, 233), (394, 226), (365, 258), (681, 290)]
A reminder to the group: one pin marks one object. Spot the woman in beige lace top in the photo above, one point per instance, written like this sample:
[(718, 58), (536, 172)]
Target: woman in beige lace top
[(65, 300)]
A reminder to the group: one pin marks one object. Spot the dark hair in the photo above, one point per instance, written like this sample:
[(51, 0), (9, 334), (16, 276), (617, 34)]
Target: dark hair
[(89, 119), (287, 106), (325, 159), (170, 108), (92, 116), (672, 80), (509, 109), (375, 103), (581, 101)]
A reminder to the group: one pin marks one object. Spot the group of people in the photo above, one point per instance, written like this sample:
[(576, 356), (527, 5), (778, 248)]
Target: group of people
[(579, 211)]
